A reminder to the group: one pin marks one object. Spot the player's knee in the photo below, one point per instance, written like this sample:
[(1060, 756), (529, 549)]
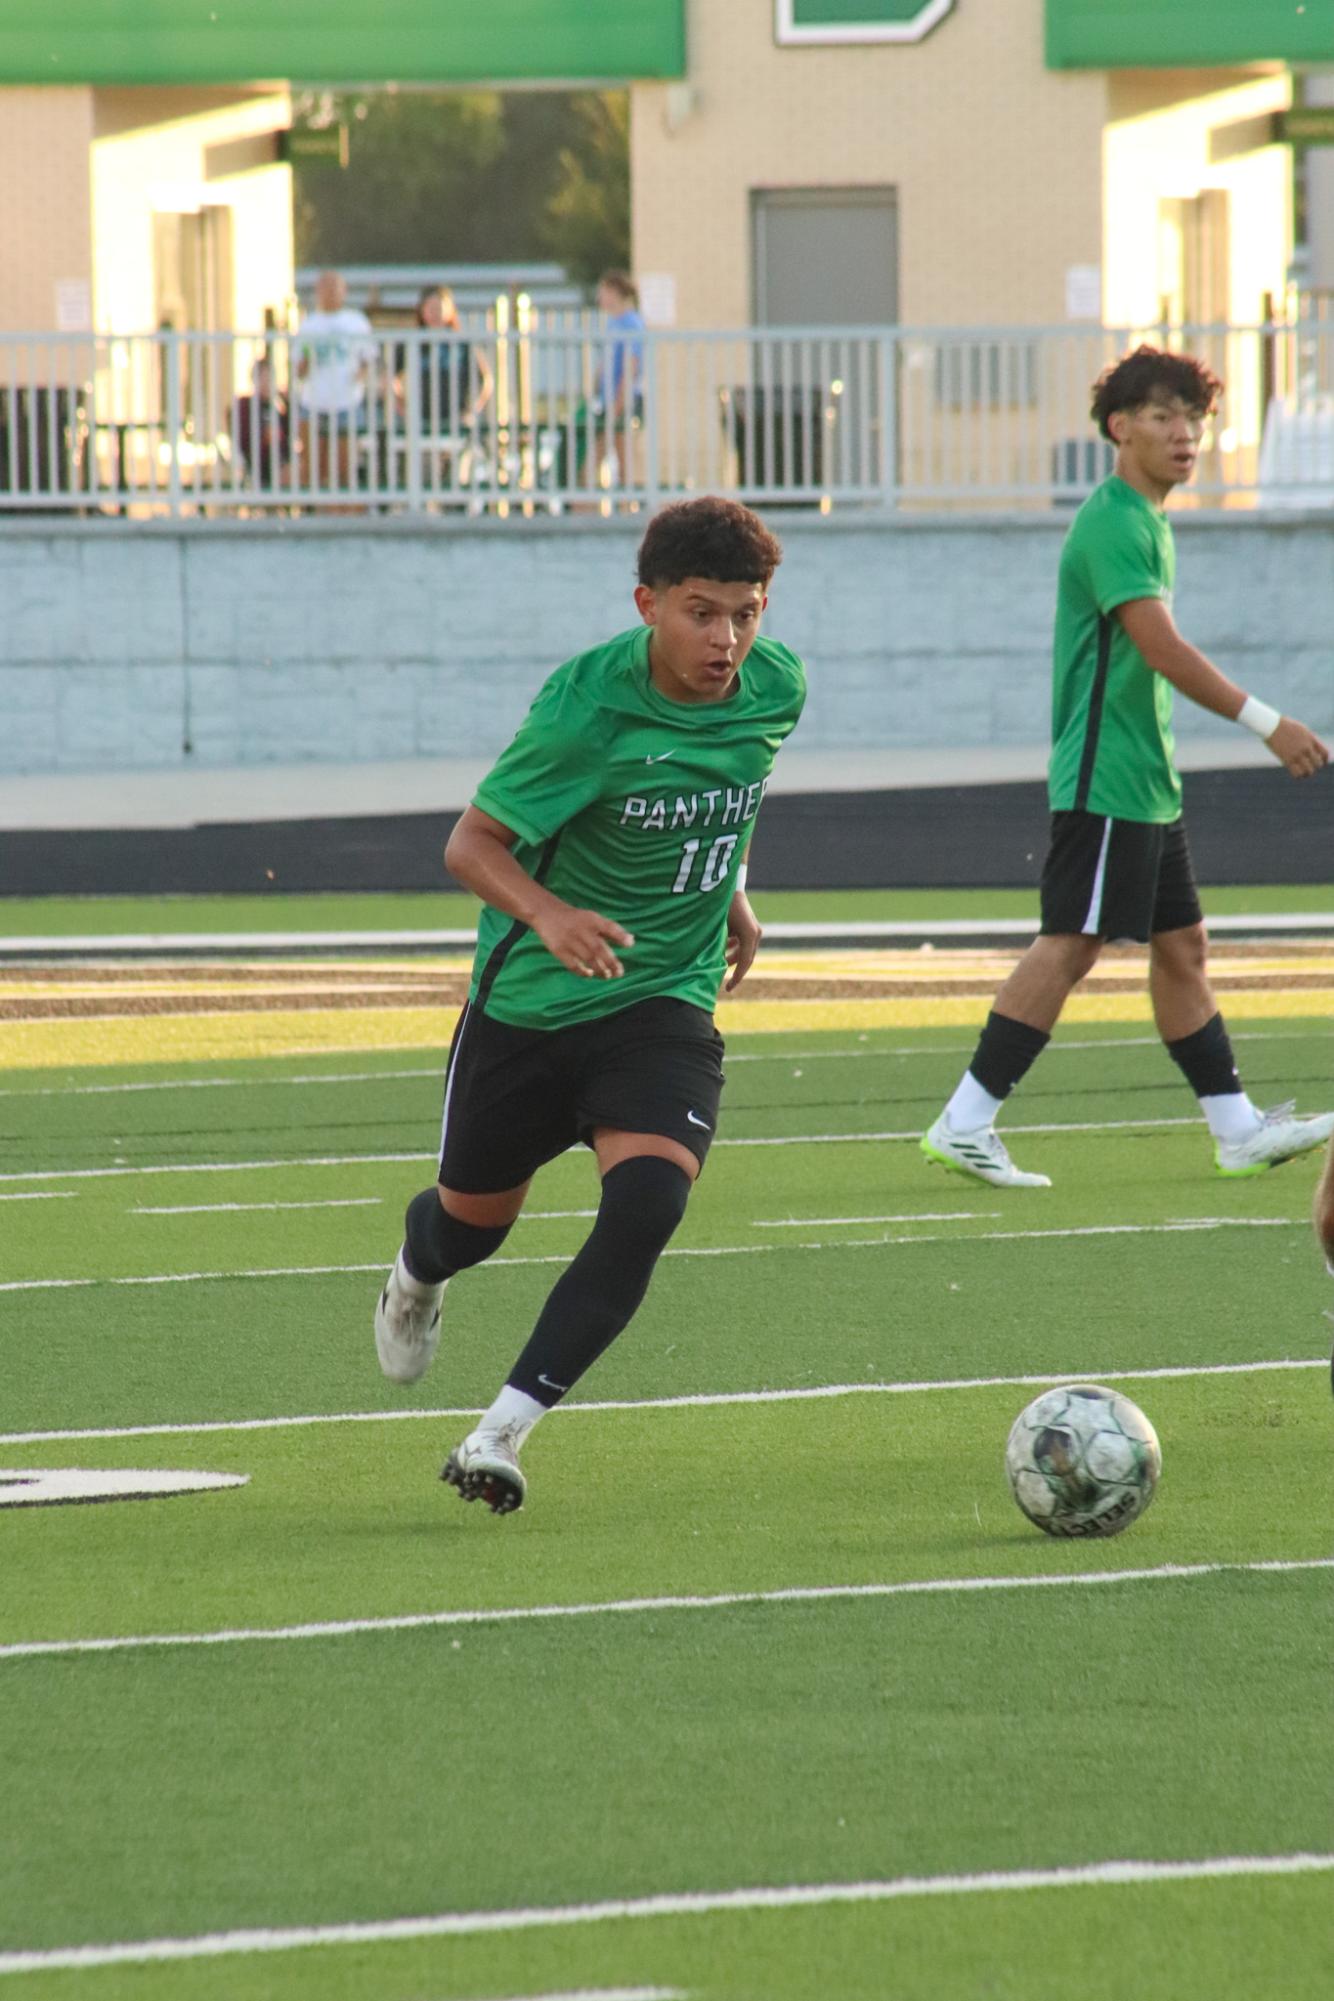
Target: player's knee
[(643, 1201), (1183, 952), (438, 1245), (1075, 953)]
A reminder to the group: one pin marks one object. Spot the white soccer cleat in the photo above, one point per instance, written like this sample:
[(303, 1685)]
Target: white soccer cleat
[(980, 1153), (1280, 1136), (486, 1468), (407, 1324)]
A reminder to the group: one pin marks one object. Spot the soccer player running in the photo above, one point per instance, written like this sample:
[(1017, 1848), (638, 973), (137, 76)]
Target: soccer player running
[(1118, 864), (608, 844)]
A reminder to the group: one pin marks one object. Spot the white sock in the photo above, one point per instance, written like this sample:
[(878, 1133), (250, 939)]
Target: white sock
[(1231, 1116), (971, 1106), (513, 1409), (415, 1288)]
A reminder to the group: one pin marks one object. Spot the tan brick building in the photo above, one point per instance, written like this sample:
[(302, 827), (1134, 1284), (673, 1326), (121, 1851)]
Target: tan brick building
[(1012, 192)]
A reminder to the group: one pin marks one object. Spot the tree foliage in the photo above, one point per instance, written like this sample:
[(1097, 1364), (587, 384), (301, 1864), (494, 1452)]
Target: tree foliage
[(588, 216), (468, 177)]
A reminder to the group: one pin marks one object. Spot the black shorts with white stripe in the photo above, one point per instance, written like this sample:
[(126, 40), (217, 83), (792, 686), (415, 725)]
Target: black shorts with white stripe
[(1109, 878), (516, 1097)]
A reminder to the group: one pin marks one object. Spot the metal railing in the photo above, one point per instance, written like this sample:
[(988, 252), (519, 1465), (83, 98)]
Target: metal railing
[(566, 418)]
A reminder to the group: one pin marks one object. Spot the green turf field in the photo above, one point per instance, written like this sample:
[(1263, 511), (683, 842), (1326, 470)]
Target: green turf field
[(63, 916), (769, 1692)]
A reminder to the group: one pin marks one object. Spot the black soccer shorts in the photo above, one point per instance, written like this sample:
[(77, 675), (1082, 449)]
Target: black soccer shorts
[(1112, 878), (517, 1097)]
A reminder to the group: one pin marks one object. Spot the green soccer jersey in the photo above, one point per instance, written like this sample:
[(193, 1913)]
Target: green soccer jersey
[(1112, 738), (640, 808)]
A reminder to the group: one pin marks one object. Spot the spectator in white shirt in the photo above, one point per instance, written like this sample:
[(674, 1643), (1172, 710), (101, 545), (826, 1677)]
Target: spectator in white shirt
[(333, 353)]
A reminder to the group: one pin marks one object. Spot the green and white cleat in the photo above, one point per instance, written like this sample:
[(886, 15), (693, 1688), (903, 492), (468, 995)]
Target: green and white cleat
[(1280, 1136), (981, 1154), (486, 1468), (407, 1324)]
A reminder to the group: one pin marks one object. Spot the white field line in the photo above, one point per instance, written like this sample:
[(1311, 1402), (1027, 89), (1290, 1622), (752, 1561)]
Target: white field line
[(734, 1056), (123, 1167), (609, 1994), (1182, 1226), (42, 1195), (1053, 1048), (689, 1903), (225, 1083), (397, 1159), (915, 1132), (852, 931), (236, 1208), (926, 1216), (508, 1615), (700, 1400)]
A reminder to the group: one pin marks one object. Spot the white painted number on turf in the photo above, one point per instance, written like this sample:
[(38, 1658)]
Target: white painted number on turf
[(47, 1487)]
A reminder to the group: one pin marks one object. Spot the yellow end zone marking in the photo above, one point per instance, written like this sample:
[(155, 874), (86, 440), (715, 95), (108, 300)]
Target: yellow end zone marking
[(38, 1045)]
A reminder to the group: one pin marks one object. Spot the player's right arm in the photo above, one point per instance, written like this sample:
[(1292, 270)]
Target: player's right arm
[(1152, 630), (478, 854)]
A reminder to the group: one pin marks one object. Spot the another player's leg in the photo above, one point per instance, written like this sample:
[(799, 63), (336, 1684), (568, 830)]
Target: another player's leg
[(1018, 1029), (1323, 1213), (444, 1233), (1246, 1140), (646, 1181), (1085, 869), (1322, 1216)]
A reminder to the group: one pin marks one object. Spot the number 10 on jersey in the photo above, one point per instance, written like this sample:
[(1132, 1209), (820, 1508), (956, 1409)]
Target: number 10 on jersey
[(717, 861)]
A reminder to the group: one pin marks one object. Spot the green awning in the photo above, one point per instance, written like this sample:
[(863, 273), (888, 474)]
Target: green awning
[(1187, 34), (340, 41)]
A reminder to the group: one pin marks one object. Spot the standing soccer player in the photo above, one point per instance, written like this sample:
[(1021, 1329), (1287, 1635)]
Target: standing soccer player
[(608, 844), (1118, 865)]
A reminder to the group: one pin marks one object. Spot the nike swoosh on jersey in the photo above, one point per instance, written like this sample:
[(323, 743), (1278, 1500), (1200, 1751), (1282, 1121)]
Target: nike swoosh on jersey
[(699, 1122), (660, 756)]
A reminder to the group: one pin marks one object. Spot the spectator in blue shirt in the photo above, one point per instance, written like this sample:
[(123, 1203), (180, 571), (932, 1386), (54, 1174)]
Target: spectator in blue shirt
[(618, 405)]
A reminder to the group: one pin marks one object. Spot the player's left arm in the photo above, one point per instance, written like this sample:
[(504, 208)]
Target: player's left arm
[(743, 932), (1152, 630)]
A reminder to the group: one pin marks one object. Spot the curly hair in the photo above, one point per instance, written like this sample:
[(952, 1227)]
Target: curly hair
[(1136, 378), (718, 539)]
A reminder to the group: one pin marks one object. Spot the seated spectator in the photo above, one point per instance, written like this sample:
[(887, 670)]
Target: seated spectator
[(263, 429)]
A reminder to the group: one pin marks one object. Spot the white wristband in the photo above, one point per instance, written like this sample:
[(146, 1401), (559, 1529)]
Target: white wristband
[(1258, 716), (741, 876)]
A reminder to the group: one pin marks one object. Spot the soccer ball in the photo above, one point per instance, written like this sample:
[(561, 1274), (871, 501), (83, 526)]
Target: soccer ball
[(1082, 1460)]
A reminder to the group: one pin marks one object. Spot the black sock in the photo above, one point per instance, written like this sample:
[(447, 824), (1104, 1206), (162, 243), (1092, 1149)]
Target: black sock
[(436, 1244), (643, 1200), (1006, 1051), (1206, 1060)]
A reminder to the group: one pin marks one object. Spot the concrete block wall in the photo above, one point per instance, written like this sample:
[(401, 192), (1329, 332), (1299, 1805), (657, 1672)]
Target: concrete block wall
[(148, 646)]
